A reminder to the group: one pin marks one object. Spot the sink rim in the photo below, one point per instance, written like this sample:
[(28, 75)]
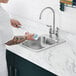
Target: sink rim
[(44, 48)]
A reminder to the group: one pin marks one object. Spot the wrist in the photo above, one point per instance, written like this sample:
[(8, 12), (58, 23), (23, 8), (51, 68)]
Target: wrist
[(25, 37)]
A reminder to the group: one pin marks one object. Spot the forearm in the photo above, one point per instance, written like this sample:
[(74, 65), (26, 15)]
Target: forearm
[(16, 40)]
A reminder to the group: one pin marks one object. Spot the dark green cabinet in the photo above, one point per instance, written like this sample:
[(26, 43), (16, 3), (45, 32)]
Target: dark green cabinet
[(18, 66), (10, 63)]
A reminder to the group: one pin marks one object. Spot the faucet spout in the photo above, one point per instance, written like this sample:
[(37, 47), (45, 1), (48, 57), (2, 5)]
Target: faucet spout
[(53, 17)]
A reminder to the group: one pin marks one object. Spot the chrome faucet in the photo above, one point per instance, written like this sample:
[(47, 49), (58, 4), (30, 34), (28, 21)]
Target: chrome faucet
[(52, 29)]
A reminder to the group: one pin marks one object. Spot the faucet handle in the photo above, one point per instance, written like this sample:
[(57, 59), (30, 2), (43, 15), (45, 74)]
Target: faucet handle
[(57, 30), (50, 31), (57, 33), (49, 25)]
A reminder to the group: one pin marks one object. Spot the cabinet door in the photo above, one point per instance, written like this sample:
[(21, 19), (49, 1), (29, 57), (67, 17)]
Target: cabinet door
[(10, 63), (27, 68)]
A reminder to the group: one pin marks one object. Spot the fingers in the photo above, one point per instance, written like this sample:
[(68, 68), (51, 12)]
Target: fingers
[(15, 23), (3, 1), (29, 36)]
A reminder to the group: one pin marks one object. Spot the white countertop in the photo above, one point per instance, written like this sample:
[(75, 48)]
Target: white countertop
[(60, 59)]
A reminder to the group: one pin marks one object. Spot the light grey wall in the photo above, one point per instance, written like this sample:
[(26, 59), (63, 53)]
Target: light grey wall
[(68, 20), (29, 11)]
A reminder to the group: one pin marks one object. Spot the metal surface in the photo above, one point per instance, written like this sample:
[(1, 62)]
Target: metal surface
[(36, 45), (53, 16)]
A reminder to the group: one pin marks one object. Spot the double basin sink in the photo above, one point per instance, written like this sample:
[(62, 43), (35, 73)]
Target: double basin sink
[(41, 44)]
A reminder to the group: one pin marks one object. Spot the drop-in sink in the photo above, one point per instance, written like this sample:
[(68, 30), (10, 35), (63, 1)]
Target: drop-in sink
[(36, 45)]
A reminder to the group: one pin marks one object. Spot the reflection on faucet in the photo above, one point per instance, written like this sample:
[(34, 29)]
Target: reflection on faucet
[(57, 34), (53, 17), (50, 31)]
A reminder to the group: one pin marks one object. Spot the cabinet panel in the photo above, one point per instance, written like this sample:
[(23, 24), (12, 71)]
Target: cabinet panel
[(10, 63), (18, 66), (10, 58), (27, 68)]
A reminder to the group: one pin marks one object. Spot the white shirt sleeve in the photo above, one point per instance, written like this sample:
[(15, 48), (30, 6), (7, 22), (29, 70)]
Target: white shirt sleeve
[(6, 32)]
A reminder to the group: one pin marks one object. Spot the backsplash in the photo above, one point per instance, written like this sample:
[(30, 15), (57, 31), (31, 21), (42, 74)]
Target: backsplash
[(30, 14), (32, 26)]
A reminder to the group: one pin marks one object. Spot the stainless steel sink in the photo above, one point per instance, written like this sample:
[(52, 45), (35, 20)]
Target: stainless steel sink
[(36, 45)]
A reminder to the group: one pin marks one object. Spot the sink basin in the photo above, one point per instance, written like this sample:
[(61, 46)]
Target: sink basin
[(36, 45), (33, 44)]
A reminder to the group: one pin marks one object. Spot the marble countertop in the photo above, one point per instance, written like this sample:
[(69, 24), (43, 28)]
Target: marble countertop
[(60, 59)]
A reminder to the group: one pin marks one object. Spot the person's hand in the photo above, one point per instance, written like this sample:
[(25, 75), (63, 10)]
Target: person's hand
[(29, 36), (15, 23), (20, 39), (4, 1)]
